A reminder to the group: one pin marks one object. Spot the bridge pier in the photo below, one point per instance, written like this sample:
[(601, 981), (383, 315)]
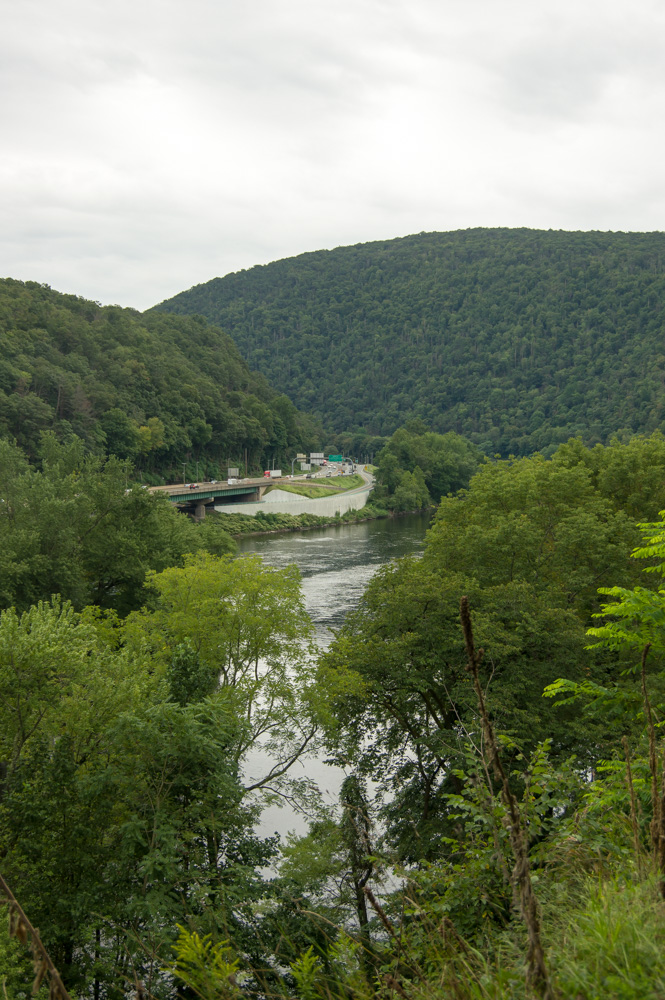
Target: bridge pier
[(200, 511)]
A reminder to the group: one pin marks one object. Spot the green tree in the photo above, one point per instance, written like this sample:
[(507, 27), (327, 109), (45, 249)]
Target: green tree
[(529, 542), (75, 529), (440, 463), (537, 521), (247, 625), (411, 493), (122, 434), (356, 828), (151, 435), (121, 811), (629, 474), (405, 707)]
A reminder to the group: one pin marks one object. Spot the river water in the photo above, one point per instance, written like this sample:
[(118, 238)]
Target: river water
[(336, 564)]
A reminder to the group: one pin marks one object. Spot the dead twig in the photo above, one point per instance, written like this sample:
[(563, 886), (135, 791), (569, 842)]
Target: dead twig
[(21, 928), (633, 807)]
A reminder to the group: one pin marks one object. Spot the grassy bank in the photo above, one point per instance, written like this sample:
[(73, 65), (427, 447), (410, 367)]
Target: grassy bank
[(244, 524), (314, 489)]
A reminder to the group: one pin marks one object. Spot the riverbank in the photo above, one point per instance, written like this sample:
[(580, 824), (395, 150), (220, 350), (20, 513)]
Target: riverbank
[(245, 525)]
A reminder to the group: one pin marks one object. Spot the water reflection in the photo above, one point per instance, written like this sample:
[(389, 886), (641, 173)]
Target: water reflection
[(337, 563)]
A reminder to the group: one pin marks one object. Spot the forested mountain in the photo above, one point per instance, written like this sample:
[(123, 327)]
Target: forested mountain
[(518, 339), (156, 389)]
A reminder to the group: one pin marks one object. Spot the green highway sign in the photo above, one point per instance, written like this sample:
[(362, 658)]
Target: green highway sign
[(334, 458)]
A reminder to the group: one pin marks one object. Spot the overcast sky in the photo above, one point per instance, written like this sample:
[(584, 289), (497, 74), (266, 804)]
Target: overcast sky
[(149, 145)]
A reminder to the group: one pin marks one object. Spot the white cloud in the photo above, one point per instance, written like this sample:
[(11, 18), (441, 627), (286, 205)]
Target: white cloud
[(151, 145)]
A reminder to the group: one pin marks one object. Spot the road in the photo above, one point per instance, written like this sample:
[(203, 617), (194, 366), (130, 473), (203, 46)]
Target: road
[(208, 486), (223, 486), (319, 476)]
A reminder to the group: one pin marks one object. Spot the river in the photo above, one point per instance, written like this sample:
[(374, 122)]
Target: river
[(336, 564)]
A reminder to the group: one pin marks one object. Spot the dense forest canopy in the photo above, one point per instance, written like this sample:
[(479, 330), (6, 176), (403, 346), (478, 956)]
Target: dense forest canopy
[(130, 717), (417, 467), (530, 542), (517, 339), (159, 390), (70, 526)]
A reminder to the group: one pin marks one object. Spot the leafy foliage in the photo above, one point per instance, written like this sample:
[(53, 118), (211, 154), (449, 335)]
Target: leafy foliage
[(73, 528), (417, 466), (242, 627), (122, 812), (537, 521), (206, 967), (529, 542), (129, 796)]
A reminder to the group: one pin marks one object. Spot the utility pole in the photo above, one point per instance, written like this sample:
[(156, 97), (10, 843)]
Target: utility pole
[(184, 472)]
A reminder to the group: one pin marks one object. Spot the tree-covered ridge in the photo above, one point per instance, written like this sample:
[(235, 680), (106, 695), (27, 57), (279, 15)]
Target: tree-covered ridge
[(518, 339), (157, 389)]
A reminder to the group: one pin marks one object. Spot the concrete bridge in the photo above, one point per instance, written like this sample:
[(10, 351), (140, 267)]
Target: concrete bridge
[(194, 500), (281, 502), (246, 496)]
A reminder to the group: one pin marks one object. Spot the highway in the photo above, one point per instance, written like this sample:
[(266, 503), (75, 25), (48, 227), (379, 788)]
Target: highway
[(207, 488), (210, 486)]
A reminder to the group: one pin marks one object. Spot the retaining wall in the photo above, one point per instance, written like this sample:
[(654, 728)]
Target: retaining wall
[(323, 506)]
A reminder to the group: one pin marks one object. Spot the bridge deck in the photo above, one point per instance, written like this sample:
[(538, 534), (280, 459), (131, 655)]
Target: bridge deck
[(183, 494)]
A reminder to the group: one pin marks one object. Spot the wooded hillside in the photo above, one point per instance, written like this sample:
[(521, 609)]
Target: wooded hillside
[(518, 339), (159, 390)]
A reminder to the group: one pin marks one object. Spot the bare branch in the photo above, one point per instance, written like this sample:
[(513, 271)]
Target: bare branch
[(21, 928)]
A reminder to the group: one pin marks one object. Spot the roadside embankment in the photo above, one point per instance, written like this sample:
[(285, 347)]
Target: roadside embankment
[(282, 501)]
